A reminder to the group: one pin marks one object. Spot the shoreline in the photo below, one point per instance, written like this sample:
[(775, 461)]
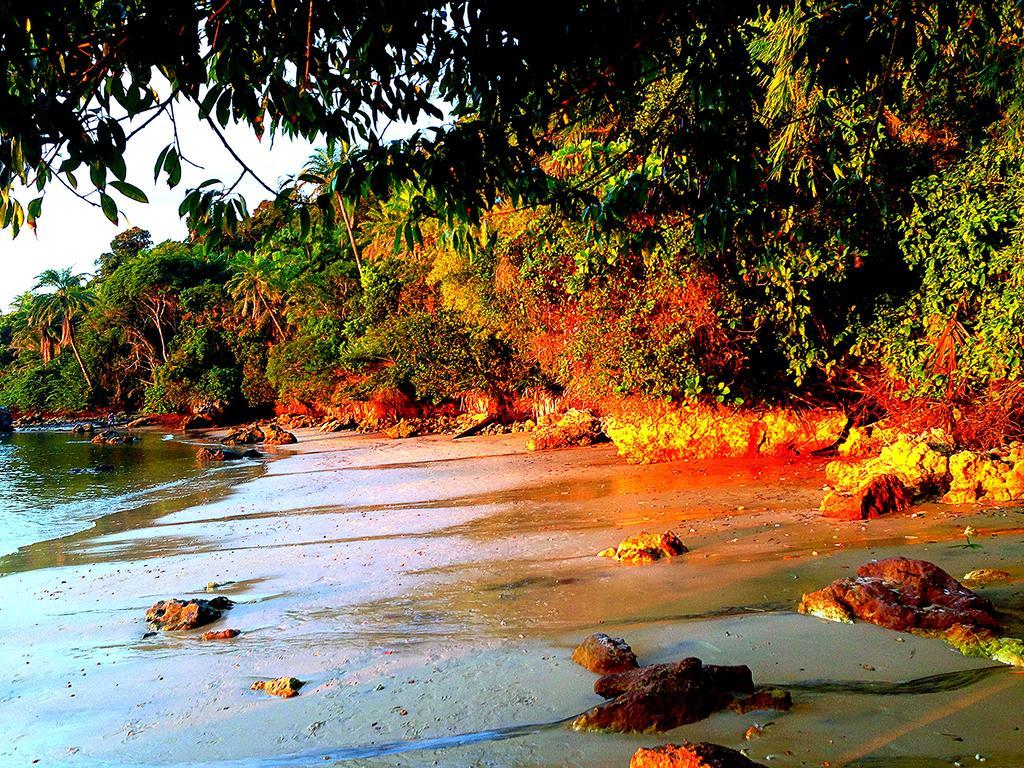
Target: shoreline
[(469, 568)]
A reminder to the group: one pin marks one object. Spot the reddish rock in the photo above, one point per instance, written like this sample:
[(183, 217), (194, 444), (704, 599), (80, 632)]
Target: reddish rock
[(604, 655), (224, 634), (646, 548), (687, 755), (217, 454), (171, 615), (904, 595), (113, 437), (285, 687), (274, 435), (882, 495), (249, 435), (663, 696)]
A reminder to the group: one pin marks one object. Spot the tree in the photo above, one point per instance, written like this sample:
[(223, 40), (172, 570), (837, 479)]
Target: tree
[(255, 288), (64, 302), (125, 246)]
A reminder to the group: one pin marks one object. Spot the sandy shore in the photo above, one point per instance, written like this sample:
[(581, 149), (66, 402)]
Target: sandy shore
[(430, 593)]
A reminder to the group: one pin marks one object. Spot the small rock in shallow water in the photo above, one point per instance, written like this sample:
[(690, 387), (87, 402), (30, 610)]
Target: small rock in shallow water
[(702, 755), (763, 698), (986, 575), (223, 634), (285, 687), (171, 615), (646, 548), (604, 655)]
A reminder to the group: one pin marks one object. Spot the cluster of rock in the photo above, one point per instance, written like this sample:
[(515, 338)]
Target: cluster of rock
[(253, 434), (113, 437), (644, 548), (884, 471), (661, 697), (211, 455), (918, 597), (657, 433), (566, 430)]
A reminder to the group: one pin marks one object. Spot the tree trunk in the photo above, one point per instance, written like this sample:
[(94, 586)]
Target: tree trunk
[(78, 357), (351, 236)]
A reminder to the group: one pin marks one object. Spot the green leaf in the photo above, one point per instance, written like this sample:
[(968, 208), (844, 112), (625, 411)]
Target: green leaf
[(130, 191), (109, 207)]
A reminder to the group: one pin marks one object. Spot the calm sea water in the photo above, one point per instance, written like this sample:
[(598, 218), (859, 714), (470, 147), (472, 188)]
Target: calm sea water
[(54, 484)]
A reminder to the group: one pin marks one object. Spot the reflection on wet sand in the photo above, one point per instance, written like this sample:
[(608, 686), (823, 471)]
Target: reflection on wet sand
[(450, 582)]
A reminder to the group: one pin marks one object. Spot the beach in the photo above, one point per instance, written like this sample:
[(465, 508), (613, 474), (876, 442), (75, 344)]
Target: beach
[(429, 593)]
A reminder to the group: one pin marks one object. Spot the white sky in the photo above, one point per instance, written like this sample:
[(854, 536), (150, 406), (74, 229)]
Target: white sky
[(72, 233)]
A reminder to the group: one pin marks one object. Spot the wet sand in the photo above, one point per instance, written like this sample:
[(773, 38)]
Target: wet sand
[(430, 592)]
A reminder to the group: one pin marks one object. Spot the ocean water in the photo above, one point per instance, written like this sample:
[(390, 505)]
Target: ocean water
[(54, 484)]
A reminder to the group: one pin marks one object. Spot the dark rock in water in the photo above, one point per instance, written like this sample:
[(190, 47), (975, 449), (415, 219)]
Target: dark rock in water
[(217, 454), (224, 634), (604, 655), (170, 615), (6, 422), (687, 755), (249, 435), (904, 595), (763, 699), (83, 428), (252, 453), (105, 467), (664, 696), (113, 437)]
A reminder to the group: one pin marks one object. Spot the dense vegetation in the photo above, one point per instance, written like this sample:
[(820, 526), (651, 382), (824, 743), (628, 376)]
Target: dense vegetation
[(741, 202)]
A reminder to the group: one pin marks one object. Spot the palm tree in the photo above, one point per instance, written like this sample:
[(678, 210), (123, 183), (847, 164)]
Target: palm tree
[(32, 332), (322, 166), (64, 301), (254, 286)]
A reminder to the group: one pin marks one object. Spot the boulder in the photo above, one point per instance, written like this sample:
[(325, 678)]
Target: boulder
[(172, 615), (6, 421), (274, 435), (223, 634), (880, 495), (687, 755), (217, 454), (918, 597), (338, 424), (604, 655), (646, 548), (904, 595), (113, 437), (570, 429), (83, 428), (664, 696), (285, 687), (248, 435), (142, 421)]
